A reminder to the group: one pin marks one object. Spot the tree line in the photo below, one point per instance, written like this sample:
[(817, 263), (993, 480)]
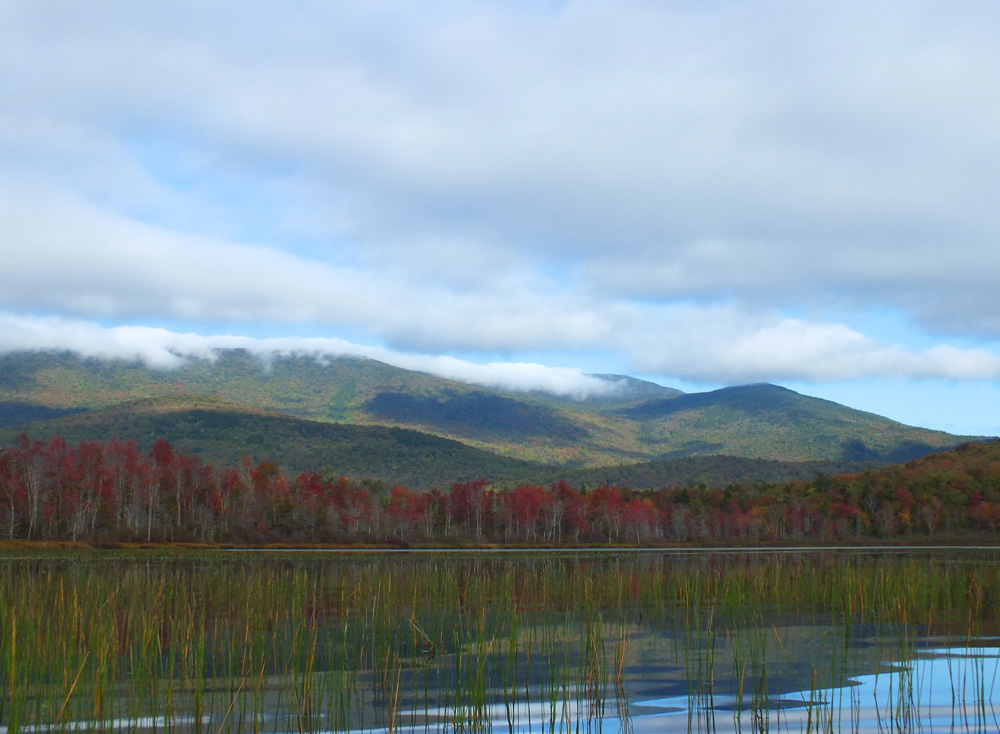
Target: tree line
[(113, 491)]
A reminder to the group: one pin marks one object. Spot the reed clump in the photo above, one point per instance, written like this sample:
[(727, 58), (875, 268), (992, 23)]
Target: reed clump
[(217, 642)]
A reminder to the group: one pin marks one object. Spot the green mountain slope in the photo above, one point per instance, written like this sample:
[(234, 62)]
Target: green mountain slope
[(221, 433), (771, 422), (712, 471), (14, 413), (475, 415), (638, 422), (323, 390)]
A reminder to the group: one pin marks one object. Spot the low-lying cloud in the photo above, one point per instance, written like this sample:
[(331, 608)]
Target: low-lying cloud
[(732, 346), (660, 185), (707, 346), (164, 349)]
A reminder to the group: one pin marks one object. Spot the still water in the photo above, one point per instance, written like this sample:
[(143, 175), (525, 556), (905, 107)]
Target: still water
[(597, 641)]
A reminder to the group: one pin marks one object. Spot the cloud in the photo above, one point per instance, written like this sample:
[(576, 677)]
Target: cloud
[(666, 182), (164, 349), (726, 345), (708, 346), (75, 259)]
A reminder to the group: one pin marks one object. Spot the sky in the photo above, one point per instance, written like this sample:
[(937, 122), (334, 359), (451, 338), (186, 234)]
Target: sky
[(517, 194)]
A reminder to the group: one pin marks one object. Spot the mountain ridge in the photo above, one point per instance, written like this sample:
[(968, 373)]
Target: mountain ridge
[(642, 422), (223, 434)]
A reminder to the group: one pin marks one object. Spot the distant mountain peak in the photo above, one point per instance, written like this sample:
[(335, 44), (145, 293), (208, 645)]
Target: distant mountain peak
[(637, 421)]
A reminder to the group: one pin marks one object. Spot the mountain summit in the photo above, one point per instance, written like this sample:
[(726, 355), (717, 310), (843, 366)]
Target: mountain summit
[(640, 422)]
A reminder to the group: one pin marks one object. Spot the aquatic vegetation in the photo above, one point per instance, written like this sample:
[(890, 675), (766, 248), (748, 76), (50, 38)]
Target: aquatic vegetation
[(234, 642)]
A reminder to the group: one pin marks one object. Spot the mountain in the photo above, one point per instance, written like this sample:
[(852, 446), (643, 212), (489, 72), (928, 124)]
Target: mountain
[(712, 471), (635, 422), (222, 433), (14, 413), (771, 422)]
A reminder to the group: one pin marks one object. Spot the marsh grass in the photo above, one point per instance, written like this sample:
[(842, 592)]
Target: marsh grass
[(218, 643)]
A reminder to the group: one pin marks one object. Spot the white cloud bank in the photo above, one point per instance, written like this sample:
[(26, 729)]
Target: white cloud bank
[(791, 349), (660, 184), (164, 349)]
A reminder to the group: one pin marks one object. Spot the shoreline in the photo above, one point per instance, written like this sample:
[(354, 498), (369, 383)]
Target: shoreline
[(951, 543)]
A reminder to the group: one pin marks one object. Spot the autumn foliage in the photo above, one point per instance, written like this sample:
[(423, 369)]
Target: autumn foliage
[(112, 491)]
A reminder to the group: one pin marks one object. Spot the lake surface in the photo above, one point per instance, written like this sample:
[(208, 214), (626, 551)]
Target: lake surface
[(582, 641)]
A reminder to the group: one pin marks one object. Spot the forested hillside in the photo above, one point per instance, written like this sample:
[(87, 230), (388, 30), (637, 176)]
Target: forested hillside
[(634, 421), (222, 433)]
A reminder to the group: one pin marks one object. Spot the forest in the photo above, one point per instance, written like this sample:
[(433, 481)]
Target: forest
[(103, 492)]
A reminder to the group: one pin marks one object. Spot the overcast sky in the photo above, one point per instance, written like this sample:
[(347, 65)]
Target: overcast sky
[(699, 193)]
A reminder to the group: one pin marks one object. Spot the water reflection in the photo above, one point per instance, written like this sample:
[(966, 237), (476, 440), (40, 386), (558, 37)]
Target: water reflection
[(943, 689), (571, 642)]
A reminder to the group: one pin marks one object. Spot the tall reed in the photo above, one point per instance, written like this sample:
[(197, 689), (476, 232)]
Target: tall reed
[(215, 643)]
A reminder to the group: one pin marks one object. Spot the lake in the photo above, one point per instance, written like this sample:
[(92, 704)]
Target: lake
[(565, 641)]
